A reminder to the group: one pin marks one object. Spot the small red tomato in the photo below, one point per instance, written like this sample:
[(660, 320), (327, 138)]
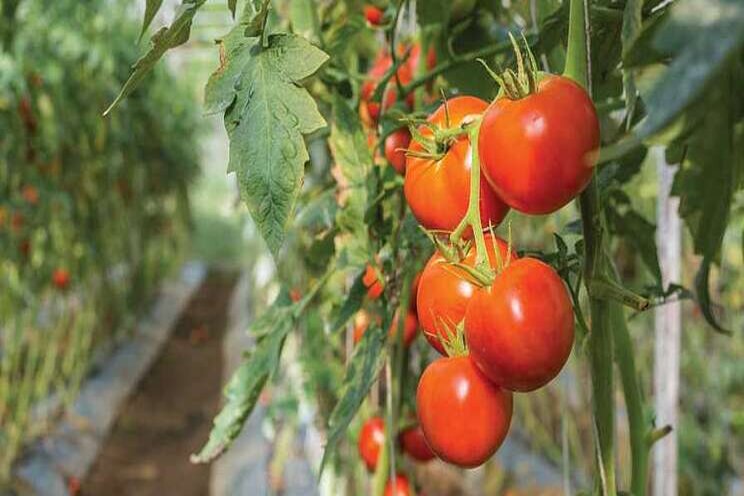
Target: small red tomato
[(464, 416), (395, 149), (372, 282), (30, 194), (401, 487), (414, 57), (374, 15), (539, 152), (438, 190), (414, 444), (369, 111), (410, 328), (295, 295), (361, 323), (371, 440), (520, 329), (444, 292), (61, 278)]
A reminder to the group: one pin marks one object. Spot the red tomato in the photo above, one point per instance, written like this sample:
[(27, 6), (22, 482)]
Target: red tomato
[(61, 278), (371, 440), (395, 149), (444, 293), (520, 329), (401, 487), (410, 328), (438, 191), (370, 111), (464, 416), (374, 15), (30, 194), (295, 295), (539, 152), (361, 323), (372, 282), (413, 58), (414, 444)]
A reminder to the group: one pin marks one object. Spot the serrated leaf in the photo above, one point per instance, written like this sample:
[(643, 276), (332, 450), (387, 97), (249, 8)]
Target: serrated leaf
[(162, 41), (255, 17), (267, 113), (152, 7), (364, 367), (246, 384), (351, 153)]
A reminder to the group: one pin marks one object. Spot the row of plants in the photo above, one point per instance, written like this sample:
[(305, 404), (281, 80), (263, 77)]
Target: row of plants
[(93, 211), (431, 142)]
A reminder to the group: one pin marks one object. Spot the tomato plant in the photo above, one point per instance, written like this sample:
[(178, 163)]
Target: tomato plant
[(371, 440), (315, 94)]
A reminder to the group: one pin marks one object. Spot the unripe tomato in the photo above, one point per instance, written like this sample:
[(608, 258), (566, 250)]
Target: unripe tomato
[(520, 329), (444, 292), (61, 278), (438, 190), (464, 416), (414, 444), (395, 149), (372, 282), (539, 152), (401, 487), (374, 15), (371, 440), (410, 328)]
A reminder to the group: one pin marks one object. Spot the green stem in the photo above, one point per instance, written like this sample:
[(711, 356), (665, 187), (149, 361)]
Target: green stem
[(600, 338), (625, 360), (609, 289)]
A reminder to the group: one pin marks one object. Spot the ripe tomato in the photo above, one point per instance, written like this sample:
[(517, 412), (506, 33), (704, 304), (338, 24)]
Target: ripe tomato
[(395, 149), (444, 292), (61, 278), (401, 487), (370, 111), (539, 152), (372, 282), (410, 328), (438, 190), (414, 444), (520, 329), (30, 194), (295, 295), (373, 15), (464, 416), (361, 323), (371, 440), (415, 56)]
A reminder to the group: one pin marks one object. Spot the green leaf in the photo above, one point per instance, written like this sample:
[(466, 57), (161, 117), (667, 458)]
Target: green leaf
[(267, 113), (151, 9), (166, 38), (350, 151), (303, 15), (246, 384), (255, 17), (433, 12), (639, 233), (352, 304), (709, 176), (232, 5), (709, 32), (364, 367)]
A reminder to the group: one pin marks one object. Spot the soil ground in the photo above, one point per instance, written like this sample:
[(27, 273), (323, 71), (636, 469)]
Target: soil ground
[(170, 414)]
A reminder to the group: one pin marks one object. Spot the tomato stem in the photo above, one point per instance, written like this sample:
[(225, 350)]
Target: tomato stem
[(608, 289)]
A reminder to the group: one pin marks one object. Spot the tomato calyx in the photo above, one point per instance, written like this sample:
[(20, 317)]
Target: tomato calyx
[(453, 338), (442, 138), (522, 82)]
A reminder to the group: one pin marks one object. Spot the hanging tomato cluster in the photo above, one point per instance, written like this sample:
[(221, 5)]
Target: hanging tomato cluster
[(503, 323)]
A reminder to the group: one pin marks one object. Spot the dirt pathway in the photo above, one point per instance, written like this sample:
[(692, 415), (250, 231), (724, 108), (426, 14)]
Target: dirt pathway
[(170, 414)]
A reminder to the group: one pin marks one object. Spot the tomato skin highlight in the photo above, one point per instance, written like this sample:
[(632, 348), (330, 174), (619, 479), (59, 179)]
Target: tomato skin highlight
[(361, 323), (438, 191), (444, 292), (414, 444), (464, 416), (401, 487), (539, 152), (395, 149), (520, 329), (373, 284), (371, 440)]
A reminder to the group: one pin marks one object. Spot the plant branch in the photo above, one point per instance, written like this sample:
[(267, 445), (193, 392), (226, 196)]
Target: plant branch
[(608, 289)]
